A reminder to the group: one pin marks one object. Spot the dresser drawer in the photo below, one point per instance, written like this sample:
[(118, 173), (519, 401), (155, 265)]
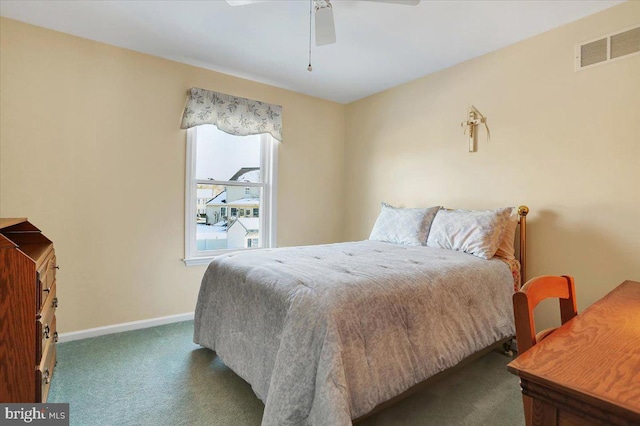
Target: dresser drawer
[(46, 276), (46, 333), (44, 373), (45, 324)]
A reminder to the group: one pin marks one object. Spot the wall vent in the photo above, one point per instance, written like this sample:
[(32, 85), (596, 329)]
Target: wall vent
[(608, 48)]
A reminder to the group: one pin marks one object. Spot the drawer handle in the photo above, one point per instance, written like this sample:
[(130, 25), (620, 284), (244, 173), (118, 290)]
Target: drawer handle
[(54, 304), (55, 337), (46, 331), (56, 267), (46, 377), (47, 290)]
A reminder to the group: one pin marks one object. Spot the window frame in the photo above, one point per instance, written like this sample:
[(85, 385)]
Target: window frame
[(268, 172)]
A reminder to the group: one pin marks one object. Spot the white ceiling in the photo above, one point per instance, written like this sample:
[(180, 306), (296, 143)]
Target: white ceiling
[(379, 45)]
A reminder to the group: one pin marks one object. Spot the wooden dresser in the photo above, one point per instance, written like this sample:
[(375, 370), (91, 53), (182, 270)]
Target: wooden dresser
[(28, 305)]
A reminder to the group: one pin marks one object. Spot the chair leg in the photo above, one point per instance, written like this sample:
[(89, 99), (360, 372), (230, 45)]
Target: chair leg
[(528, 410)]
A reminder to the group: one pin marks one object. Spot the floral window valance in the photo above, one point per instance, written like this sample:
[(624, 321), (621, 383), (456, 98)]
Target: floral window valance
[(237, 116)]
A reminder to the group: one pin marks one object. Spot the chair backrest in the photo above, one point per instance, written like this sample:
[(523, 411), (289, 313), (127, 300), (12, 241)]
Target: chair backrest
[(532, 293)]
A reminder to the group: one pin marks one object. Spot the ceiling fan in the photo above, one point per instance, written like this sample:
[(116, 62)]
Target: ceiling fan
[(325, 28)]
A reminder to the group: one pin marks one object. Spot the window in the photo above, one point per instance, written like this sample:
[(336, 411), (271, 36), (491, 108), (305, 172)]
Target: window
[(223, 170)]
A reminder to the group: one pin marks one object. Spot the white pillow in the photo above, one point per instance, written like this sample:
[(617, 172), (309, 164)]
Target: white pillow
[(507, 249), (477, 232), (403, 226)]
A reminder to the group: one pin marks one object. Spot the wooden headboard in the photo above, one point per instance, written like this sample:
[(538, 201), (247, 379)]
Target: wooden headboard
[(523, 211)]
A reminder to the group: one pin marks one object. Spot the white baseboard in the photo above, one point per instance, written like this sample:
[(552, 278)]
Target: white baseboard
[(126, 326)]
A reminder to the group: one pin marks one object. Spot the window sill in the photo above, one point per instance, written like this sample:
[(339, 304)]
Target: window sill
[(205, 260), (198, 261)]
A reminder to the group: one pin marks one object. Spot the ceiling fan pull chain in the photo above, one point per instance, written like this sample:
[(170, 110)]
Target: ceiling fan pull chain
[(310, 68)]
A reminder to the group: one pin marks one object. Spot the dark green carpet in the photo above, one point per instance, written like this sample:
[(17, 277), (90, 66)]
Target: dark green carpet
[(158, 376)]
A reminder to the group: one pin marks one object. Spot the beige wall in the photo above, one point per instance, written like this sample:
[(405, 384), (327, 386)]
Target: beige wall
[(92, 153), (567, 144)]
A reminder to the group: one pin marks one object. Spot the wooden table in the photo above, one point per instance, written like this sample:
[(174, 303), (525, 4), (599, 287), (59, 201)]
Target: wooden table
[(588, 371)]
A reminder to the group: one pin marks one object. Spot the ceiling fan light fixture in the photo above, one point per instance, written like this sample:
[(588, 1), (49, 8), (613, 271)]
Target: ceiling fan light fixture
[(325, 28)]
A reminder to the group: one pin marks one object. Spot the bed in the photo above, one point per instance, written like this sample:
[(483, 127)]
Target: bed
[(325, 334)]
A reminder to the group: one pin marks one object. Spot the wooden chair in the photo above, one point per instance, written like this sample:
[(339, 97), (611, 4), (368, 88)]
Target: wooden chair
[(525, 300)]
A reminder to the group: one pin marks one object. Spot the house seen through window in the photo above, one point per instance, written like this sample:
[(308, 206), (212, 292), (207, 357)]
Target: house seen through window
[(230, 188)]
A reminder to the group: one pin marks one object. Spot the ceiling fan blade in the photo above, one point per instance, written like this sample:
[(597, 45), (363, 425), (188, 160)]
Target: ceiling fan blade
[(244, 2), (325, 28), (401, 2)]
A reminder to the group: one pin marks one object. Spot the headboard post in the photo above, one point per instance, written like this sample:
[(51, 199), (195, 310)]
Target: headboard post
[(523, 211)]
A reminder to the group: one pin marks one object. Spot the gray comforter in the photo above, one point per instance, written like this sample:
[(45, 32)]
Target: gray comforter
[(325, 333)]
